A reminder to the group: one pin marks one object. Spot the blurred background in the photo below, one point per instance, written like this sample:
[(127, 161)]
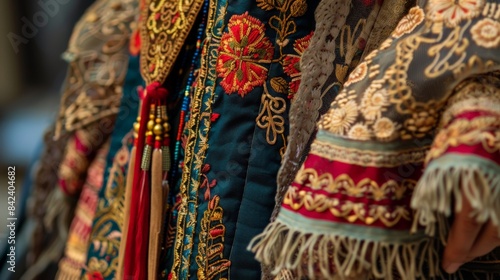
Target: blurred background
[(34, 35)]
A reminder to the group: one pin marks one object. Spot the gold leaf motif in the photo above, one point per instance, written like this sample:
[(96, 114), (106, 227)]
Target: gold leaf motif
[(341, 72), (298, 8), (266, 5), (279, 85)]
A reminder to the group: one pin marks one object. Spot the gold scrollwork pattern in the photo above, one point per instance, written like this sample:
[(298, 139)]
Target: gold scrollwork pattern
[(270, 117), (392, 105), (361, 157), (210, 258), (345, 185), (166, 25), (97, 57), (352, 210)]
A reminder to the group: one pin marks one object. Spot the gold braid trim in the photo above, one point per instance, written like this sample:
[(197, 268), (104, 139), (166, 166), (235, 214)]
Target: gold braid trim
[(165, 26)]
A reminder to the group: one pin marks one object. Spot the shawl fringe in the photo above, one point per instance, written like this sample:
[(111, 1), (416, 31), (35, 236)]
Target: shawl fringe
[(331, 256), (442, 191)]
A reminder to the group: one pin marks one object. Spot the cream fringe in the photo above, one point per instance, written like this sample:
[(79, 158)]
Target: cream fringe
[(442, 189), (316, 255), (440, 192), (317, 65)]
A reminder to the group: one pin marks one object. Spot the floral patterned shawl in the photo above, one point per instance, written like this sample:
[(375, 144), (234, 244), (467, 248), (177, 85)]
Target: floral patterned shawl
[(414, 132)]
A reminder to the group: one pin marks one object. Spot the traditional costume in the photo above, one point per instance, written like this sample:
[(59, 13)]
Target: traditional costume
[(228, 73), (414, 133), (71, 167)]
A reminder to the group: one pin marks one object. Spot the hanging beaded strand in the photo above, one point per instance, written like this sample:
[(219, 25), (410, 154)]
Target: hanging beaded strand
[(183, 118), (186, 99)]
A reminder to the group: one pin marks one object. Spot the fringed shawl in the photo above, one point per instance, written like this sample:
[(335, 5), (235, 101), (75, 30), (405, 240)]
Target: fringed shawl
[(416, 127)]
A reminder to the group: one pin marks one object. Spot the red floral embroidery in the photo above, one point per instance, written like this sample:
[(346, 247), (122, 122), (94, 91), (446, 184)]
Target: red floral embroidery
[(94, 276), (240, 52), (291, 64), (205, 183)]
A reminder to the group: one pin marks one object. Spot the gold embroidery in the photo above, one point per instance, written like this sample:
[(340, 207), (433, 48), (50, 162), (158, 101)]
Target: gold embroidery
[(97, 57), (359, 131), (210, 258), (341, 119), (492, 10), (452, 12), (75, 162), (393, 93), (270, 117), (474, 63), (486, 33), (480, 94), (449, 53), (166, 25), (409, 22), (468, 132), (374, 102), (343, 208), (349, 42), (198, 127), (385, 129), (273, 107), (470, 95), (95, 264), (384, 158), (358, 74), (343, 184)]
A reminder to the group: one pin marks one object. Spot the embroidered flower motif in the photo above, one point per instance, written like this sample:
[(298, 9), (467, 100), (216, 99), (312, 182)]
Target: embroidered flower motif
[(94, 276), (486, 33), (291, 63), (340, 119), (241, 50), (358, 74), (384, 129), (373, 102), (359, 131), (451, 12), (408, 23)]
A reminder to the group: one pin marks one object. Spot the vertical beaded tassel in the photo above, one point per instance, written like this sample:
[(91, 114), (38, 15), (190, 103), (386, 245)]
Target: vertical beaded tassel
[(148, 186), (147, 180)]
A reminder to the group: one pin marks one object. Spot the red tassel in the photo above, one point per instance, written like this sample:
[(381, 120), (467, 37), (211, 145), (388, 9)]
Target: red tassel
[(142, 235), (136, 252), (132, 250)]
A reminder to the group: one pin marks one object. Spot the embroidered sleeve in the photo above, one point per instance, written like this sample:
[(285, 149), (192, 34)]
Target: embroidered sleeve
[(427, 100), (464, 160)]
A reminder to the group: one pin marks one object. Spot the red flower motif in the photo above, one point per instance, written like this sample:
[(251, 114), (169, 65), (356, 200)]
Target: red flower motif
[(291, 63), (94, 276), (241, 50)]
